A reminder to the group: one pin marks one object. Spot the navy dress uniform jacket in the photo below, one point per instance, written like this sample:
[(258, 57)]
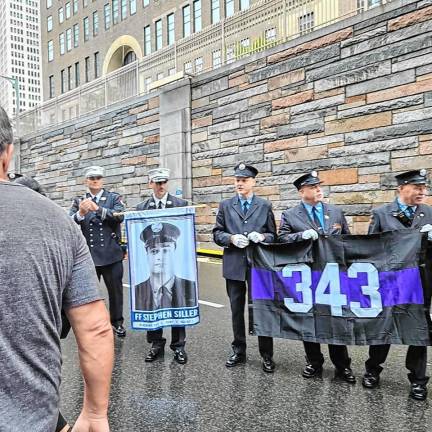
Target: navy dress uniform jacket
[(231, 220), (172, 201), (102, 229), (296, 220)]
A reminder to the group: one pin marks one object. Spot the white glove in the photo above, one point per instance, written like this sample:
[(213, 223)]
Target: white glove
[(426, 228), (309, 234), (256, 237), (239, 240)]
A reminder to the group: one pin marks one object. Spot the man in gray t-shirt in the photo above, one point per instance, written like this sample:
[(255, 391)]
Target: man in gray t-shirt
[(45, 265)]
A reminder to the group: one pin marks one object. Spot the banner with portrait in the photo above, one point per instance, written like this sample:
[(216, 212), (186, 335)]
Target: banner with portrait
[(162, 268), (347, 290)]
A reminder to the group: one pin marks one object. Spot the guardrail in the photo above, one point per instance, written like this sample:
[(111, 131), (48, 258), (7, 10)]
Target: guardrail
[(265, 24)]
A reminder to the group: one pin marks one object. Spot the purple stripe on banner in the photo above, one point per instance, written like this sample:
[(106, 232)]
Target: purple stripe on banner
[(396, 287)]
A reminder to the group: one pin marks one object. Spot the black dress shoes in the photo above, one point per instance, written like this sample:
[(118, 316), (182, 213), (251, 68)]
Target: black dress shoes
[(346, 374), (418, 391), (153, 354), (235, 359), (370, 380), (311, 371), (119, 330), (268, 365), (180, 356)]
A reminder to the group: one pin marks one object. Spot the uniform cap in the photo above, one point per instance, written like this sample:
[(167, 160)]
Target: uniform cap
[(94, 171), (412, 177), (159, 175), (160, 232), (309, 179), (243, 170)]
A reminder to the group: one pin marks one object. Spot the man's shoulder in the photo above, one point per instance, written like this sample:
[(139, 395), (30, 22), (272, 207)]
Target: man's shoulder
[(184, 282), (262, 201), (177, 202), (143, 204), (142, 285), (333, 207), (291, 210), (385, 208)]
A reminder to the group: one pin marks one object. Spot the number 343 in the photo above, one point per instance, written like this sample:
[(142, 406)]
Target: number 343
[(332, 296)]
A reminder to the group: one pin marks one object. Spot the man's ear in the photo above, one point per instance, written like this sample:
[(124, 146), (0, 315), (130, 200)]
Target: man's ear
[(6, 157)]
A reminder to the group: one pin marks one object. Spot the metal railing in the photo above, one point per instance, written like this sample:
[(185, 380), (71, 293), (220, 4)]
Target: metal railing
[(265, 24)]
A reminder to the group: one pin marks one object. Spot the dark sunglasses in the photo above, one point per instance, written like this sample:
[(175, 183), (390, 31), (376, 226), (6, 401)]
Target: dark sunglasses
[(94, 177)]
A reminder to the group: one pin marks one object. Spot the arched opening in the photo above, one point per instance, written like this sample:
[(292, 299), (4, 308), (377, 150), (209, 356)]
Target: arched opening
[(125, 50)]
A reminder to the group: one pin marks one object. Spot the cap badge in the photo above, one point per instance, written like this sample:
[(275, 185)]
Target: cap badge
[(242, 166), (156, 227), (422, 172), (314, 174)]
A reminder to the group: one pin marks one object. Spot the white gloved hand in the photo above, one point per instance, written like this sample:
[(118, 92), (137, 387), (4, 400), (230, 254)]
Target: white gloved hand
[(239, 240), (426, 228), (310, 234), (256, 237)]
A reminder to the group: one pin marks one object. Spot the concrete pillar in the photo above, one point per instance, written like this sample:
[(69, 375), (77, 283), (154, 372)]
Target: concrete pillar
[(175, 136)]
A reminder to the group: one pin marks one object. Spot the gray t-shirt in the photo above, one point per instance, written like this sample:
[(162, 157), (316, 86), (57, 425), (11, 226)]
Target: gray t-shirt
[(44, 265)]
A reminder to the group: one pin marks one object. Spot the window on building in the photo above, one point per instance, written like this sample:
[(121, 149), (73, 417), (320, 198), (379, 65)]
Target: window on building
[(172, 71), (130, 57), (63, 80), (68, 10), (188, 67), (229, 8), (306, 23), (158, 34), (159, 76), (86, 29), (244, 4), (50, 51), (76, 35), (107, 16), (51, 86), (123, 9), (132, 7), (244, 43), (61, 15), (87, 69), (198, 64), (146, 3), (75, 7), (170, 29), (197, 15), (96, 65), (49, 23), (95, 23), (215, 11), (216, 58), (69, 78), (230, 54), (147, 40), (186, 21), (62, 43), (147, 83), (115, 11), (68, 39), (48, 3), (270, 35), (85, 3), (77, 74)]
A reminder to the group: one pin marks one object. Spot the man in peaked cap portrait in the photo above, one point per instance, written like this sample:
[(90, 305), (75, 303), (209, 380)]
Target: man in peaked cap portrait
[(242, 219), (408, 210), (303, 222), (161, 199), (96, 212), (163, 289)]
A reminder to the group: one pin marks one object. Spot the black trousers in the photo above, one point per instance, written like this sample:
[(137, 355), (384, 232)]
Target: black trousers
[(415, 362), (112, 275), (338, 355), (178, 338), (237, 293)]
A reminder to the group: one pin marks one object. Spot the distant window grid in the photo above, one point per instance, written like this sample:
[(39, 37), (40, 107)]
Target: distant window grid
[(188, 67), (75, 7), (146, 3), (215, 11), (49, 23), (229, 8), (85, 3), (198, 63), (62, 81), (87, 69), (51, 86), (197, 15), (96, 65), (107, 16), (245, 43), (77, 74), (270, 35), (147, 83), (86, 29), (306, 23), (62, 43), (123, 9), (244, 4), (115, 11), (186, 21), (76, 35), (170, 29), (216, 58), (132, 7), (147, 40), (69, 78), (158, 34), (61, 15), (230, 54), (68, 10), (50, 51), (95, 23), (48, 4), (68, 39), (159, 76), (172, 71)]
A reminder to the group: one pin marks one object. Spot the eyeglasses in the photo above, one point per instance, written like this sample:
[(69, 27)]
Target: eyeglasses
[(94, 177)]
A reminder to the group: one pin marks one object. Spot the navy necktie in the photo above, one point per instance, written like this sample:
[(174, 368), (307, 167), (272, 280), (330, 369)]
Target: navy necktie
[(410, 212), (316, 218), (245, 207), (160, 205)]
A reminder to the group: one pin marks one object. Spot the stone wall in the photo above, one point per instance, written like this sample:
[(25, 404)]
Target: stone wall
[(353, 101)]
